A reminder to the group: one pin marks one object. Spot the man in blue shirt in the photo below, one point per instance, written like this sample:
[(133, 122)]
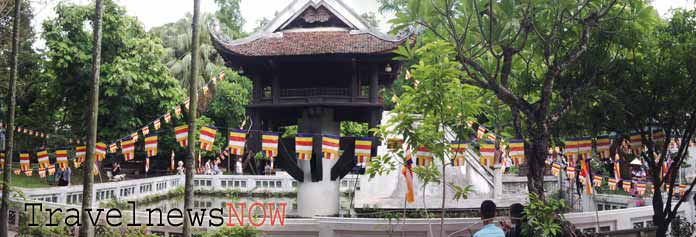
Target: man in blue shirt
[(488, 216)]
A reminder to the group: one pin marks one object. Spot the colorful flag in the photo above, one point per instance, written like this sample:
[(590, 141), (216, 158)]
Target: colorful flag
[(612, 183), (570, 171), (207, 138), (487, 153), (480, 131), (597, 181), (408, 176), (517, 151), (24, 161), (491, 136), (363, 150), (62, 158), (603, 146), (51, 169), (157, 124), (134, 136), (42, 157), (100, 151), (177, 111), (626, 184), (167, 117), (303, 146), (640, 188), (80, 154), (113, 147), (458, 149), (424, 156), (636, 143), (128, 148), (682, 190), (585, 175), (330, 146), (617, 167), (236, 141), (585, 147), (571, 150), (182, 135), (151, 145), (42, 172), (145, 130), (555, 169), (95, 171), (269, 144)]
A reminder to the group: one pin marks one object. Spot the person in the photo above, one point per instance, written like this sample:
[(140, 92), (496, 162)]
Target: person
[(57, 176), (116, 169), (516, 212), (65, 178), (208, 168), (488, 216), (180, 169), (216, 167), (238, 166)]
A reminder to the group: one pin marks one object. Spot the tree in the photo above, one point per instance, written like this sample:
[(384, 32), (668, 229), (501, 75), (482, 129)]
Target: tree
[(135, 87), (517, 50), (193, 97), (648, 90), (88, 180), (428, 114), (4, 208), (230, 18)]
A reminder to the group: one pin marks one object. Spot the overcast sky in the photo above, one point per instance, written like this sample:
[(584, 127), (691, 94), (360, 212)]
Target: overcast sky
[(158, 12)]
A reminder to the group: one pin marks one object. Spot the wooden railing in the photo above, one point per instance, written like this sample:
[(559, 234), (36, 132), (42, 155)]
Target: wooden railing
[(309, 92)]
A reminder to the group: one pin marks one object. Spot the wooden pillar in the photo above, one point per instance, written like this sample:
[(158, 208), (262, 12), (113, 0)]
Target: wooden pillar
[(374, 84), (258, 87), (275, 88), (354, 81)]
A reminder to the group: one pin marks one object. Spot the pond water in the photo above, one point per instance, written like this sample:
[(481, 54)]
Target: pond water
[(209, 202)]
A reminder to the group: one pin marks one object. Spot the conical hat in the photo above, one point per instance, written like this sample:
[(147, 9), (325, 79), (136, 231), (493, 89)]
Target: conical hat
[(636, 162)]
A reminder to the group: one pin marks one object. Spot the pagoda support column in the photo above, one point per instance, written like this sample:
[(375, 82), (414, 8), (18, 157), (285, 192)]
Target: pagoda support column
[(275, 88), (318, 196), (374, 84)]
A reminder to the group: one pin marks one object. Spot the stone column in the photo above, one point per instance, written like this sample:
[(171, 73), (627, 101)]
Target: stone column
[(497, 181), (318, 198)]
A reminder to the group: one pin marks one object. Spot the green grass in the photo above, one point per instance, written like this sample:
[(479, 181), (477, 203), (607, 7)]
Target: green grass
[(34, 181)]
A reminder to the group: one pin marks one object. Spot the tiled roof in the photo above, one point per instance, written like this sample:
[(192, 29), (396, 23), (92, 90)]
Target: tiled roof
[(312, 43)]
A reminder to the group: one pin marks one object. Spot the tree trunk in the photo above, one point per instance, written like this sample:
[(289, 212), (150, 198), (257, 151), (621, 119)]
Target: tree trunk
[(193, 102), (444, 189), (536, 153), (658, 214), (11, 104), (88, 178)]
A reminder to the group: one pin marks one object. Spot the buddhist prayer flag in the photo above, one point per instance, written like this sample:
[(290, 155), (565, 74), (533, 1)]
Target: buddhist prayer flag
[(51, 169), (151, 145), (570, 171), (480, 131), (330, 146), (236, 141), (626, 185), (617, 167), (517, 151), (303, 146), (182, 135), (145, 130), (100, 151), (408, 176), (585, 147), (555, 169), (177, 111), (571, 150), (603, 146), (113, 147), (134, 136), (585, 175), (458, 152), (487, 153), (612, 183), (363, 150), (636, 143), (157, 124), (62, 158), (24, 161), (491, 136), (42, 156), (167, 117), (269, 144), (95, 171), (424, 156), (42, 172), (207, 138), (80, 154), (128, 148), (640, 188), (597, 181)]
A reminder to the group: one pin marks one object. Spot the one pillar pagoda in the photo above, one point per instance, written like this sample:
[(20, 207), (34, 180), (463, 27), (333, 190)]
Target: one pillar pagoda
[(316, 64)]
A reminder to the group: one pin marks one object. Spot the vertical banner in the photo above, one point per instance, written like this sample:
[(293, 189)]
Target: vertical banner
[(330, 146), (207, 138), (80, 154), (42, 157), (303, 146), (603, 146), (269, 144), (24, 164), (151, 145), (363, 150), (517, 151), (181, 133), (636, 143), (100, 151), (424, 156), (128, 148), (236, 141), (487, 153), (458, 149), (62, 158)]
